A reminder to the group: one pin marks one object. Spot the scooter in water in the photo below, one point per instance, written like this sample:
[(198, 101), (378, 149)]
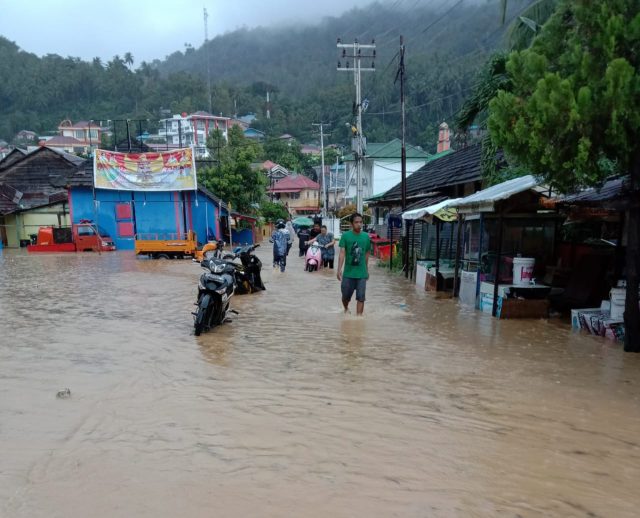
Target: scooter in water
[(247, 272), (313, 258), (215, 289)]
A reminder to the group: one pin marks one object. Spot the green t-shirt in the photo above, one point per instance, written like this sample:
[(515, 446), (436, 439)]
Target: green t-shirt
[(356, 247)]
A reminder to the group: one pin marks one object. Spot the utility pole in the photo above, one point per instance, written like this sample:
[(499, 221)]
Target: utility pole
[(325, 191), (403, 159), (268, 106), (335, 187), (353, 63), (206, 44)]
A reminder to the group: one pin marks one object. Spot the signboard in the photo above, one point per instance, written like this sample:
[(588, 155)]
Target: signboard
[(167, 171), (446, 214)]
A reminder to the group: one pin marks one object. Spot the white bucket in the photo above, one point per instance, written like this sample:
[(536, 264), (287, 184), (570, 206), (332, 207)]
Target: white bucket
[(523, 270), (617, 297)]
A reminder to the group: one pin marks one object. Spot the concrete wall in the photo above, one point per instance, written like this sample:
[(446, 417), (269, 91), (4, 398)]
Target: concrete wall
[(22, 225)]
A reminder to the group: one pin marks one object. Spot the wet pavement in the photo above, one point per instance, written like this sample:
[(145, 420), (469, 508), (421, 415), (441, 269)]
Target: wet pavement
[(418, 409)]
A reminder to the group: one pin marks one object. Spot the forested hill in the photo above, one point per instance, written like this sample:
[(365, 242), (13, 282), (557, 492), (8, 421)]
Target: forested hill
[(298, 58), (446, 42)]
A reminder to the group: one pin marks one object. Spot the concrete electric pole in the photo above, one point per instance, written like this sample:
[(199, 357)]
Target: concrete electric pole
[(325, 191), (403, 159), (352, 54), (206, 43)]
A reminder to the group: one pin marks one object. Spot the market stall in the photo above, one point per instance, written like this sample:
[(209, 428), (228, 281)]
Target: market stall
[(508, 242), (438, 274)]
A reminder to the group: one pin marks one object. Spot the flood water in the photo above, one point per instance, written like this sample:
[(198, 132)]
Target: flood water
[(419, 409)]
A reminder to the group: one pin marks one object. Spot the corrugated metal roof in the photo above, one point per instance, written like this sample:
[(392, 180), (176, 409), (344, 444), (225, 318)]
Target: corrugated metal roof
[(430, 210), (609, 191), (455, 168), (13, 157), (485, 199)]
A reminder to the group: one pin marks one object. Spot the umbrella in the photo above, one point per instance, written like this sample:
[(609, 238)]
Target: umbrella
[(303, 222)]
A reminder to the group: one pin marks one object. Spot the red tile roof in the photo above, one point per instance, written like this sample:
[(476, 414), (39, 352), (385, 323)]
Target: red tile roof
[(80, 125), (204, 114), (295, 183), (268, 164), (59, 140)]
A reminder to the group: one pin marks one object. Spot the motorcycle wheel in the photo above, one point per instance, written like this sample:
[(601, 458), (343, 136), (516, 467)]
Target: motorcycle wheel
[(200, 319)]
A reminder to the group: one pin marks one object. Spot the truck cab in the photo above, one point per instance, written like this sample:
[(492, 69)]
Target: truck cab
[(89, 237)]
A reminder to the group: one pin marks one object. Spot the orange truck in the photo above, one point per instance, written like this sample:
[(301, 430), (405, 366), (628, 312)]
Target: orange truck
[(81, 237), (167, 246)]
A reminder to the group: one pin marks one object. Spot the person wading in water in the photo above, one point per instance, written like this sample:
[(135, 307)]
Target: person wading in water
[(355, 247)]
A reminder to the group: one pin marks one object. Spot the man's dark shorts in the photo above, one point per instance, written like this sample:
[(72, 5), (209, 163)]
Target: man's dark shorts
[(350, 285)]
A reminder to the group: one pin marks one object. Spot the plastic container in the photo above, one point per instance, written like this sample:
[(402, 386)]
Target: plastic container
[(617, 297), (384, 251), (523, 270)]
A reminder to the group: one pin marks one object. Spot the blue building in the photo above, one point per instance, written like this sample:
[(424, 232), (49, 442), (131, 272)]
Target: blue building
[(165, 215)]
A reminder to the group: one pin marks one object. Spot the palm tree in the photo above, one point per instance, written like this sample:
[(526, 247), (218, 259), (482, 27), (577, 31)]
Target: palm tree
[(128, 59), (97, 62), (493, 77)]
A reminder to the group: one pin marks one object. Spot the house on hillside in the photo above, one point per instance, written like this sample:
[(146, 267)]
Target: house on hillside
[(311, 149), (298, 193), (381, 167), (26, 138), (69, 145), (254, 134), (273, 171), (78, 137), (287, 137)]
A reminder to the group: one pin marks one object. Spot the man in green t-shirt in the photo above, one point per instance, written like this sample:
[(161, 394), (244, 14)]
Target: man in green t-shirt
[(355, 247)]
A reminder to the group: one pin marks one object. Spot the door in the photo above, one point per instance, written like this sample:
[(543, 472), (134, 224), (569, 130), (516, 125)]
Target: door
[(86, 238)]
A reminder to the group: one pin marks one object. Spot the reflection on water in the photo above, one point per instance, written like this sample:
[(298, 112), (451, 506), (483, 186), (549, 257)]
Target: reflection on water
[(418, 409)]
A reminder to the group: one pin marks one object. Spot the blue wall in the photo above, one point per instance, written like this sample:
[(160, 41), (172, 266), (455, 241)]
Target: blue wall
[(153, 213), (204, 215), (102, 212), (243, 237)]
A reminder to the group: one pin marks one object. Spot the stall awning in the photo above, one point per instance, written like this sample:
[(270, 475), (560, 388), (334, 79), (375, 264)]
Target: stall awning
[(442, 210), (485, 200)]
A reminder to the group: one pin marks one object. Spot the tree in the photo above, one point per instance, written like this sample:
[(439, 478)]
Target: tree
[(574, 109), (273, 211), (128, 59), (286, 153), (233, 179)]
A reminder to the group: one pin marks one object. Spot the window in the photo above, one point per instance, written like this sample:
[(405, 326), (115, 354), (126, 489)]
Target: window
[(307, 194), (84, 231), (79, 134)]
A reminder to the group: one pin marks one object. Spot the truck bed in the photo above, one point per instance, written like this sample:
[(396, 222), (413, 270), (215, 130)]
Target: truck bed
[(54, 247), (171, 247)]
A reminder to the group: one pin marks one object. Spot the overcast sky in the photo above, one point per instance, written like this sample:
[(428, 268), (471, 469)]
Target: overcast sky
[(147, 28)]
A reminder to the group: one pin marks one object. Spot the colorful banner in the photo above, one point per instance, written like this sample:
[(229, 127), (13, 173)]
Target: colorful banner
[(167, 171)]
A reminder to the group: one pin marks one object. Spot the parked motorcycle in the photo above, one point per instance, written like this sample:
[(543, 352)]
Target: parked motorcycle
[(313, 258), (247, 272), (215, 289)]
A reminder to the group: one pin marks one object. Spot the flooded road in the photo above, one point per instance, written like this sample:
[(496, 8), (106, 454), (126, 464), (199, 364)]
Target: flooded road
[(419, 409)]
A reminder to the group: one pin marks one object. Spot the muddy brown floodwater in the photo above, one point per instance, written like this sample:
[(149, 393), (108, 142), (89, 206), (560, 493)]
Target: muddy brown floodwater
[(419, 409)]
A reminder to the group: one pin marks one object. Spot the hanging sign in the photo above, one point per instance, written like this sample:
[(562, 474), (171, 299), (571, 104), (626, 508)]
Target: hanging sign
[(167, 171)]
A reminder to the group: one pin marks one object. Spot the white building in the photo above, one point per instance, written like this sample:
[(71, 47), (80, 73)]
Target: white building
[(184, 130)]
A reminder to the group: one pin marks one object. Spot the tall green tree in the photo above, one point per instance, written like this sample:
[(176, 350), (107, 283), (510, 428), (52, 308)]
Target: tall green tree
[(574, 108), (233, 179)]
